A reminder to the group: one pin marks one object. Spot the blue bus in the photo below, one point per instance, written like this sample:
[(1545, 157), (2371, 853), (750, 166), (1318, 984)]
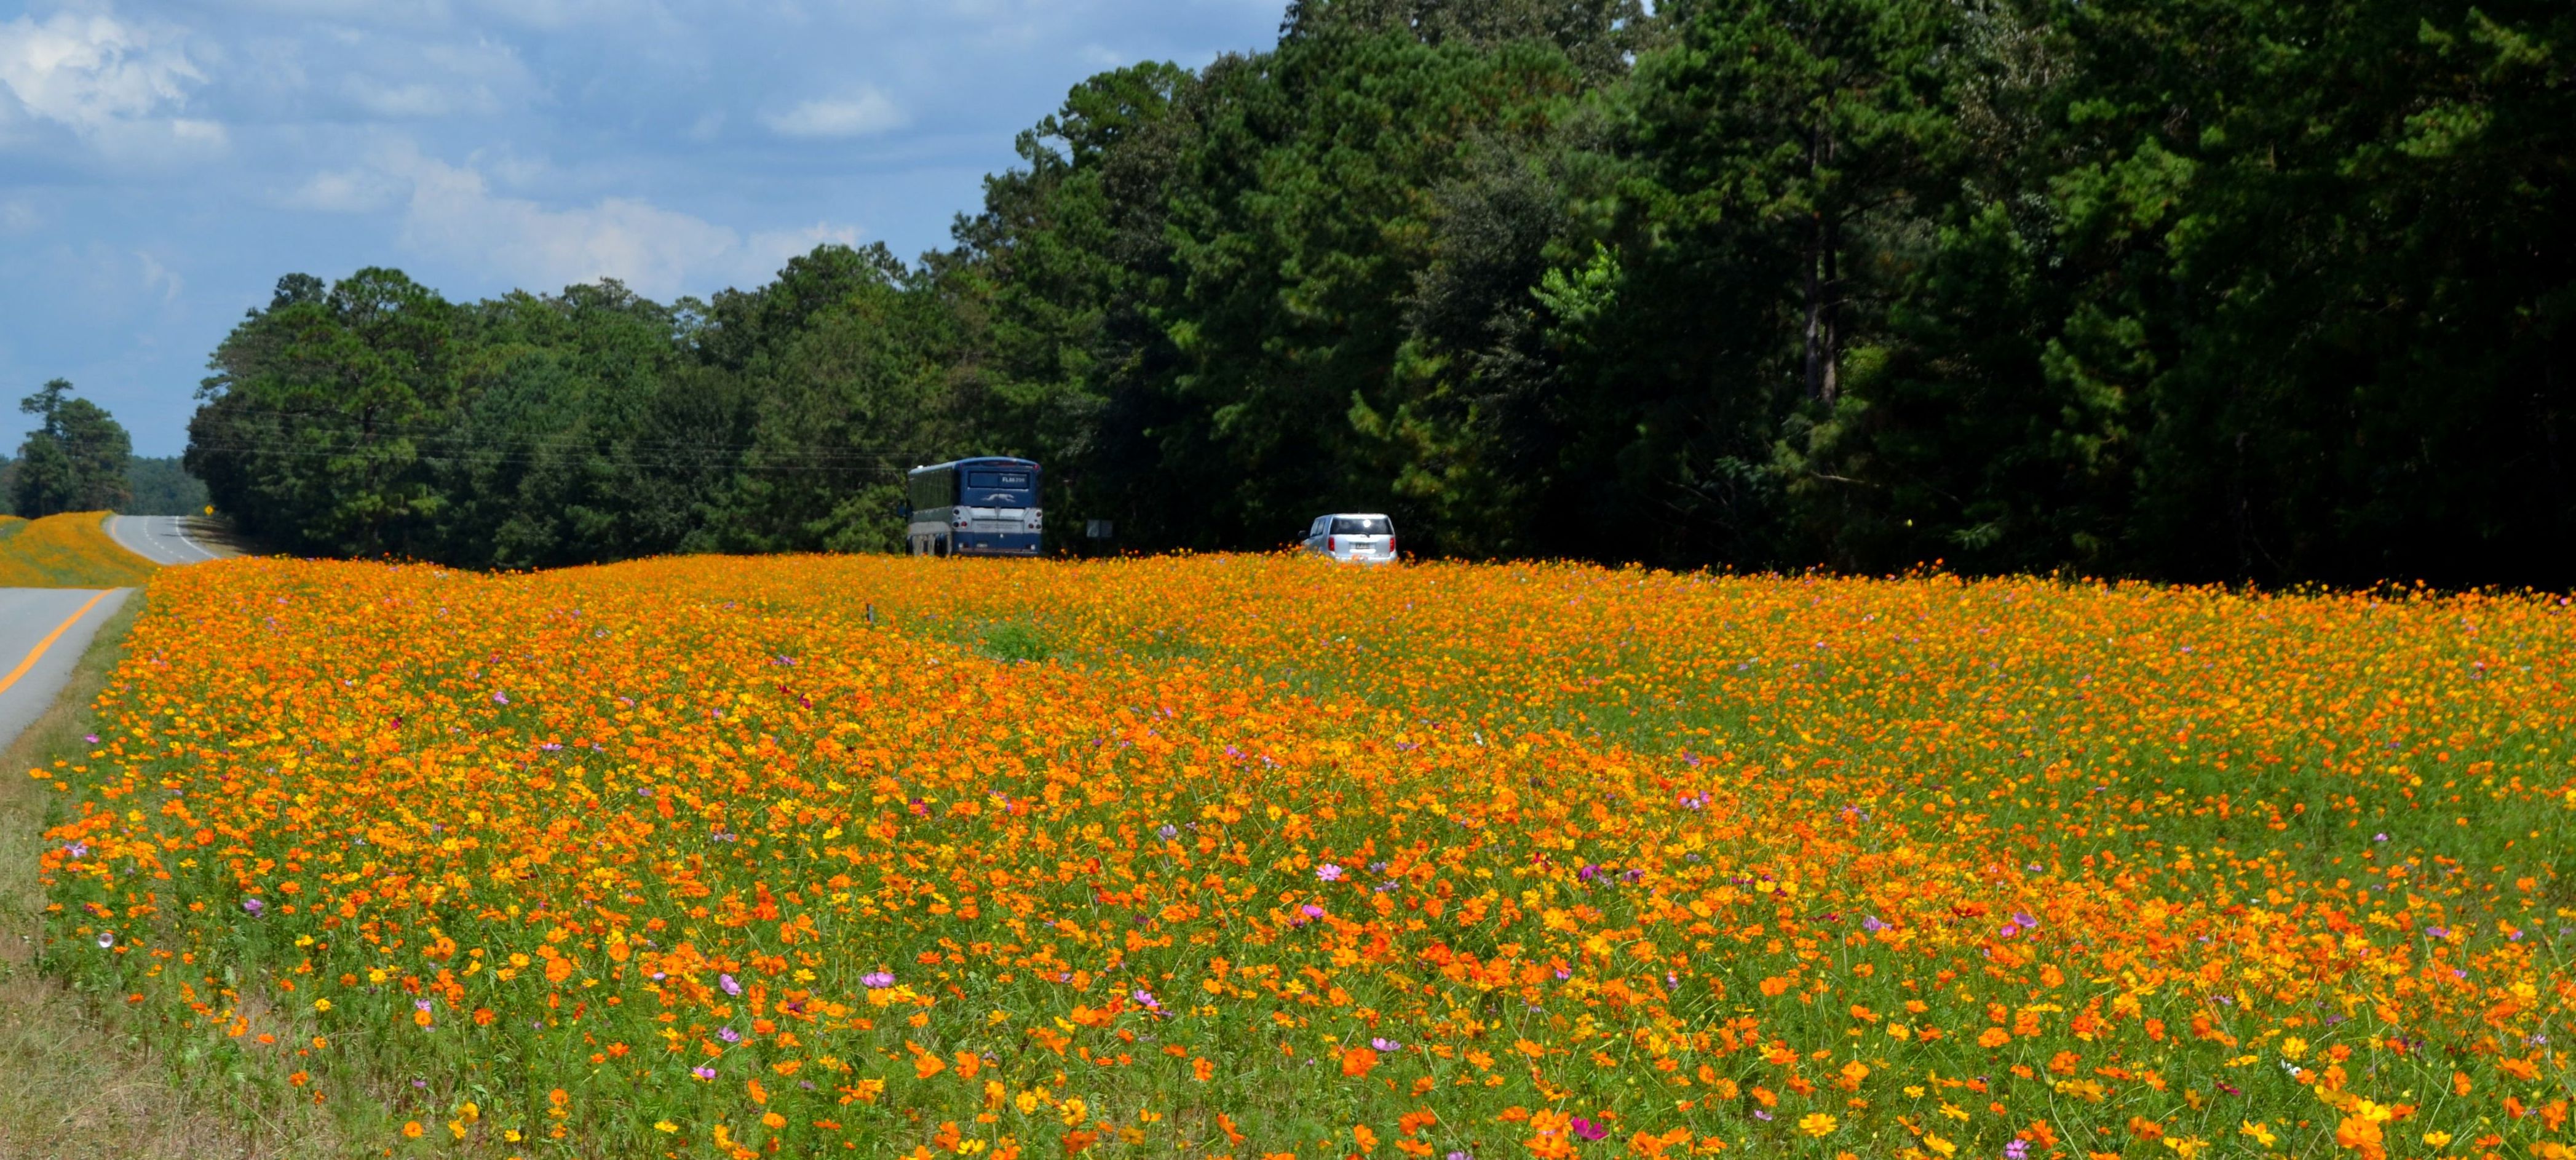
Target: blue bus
[(973, 507)]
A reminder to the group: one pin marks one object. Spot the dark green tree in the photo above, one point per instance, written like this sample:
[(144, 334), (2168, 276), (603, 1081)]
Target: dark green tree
[(75, 459), (161, 487)]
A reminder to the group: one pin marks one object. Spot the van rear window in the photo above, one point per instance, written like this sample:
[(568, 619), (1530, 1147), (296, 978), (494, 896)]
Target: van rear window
[(1009, 480), (1370, 526)]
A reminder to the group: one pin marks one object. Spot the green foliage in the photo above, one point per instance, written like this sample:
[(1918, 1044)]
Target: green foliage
[(74, 461), (2218, 289), (1015, 640), (161, 487), (373, 417)]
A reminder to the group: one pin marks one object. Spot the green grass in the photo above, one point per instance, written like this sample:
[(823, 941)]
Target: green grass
[(85, 1077)]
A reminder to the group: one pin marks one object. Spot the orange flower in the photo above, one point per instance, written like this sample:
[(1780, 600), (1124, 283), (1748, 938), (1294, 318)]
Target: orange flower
[(702, 803)]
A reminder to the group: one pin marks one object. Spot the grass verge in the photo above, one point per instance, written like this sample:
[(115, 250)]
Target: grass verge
[(85, 1078)]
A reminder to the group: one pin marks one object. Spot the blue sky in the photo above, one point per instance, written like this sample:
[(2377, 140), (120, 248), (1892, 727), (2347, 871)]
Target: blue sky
[(162, 163)]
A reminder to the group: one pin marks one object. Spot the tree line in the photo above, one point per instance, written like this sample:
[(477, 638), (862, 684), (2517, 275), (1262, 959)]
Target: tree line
[(2196, 289), (79, 459)]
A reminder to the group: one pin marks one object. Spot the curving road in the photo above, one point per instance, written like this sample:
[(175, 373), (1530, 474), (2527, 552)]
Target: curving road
[(43, 631), (42, 634), (160, 539)]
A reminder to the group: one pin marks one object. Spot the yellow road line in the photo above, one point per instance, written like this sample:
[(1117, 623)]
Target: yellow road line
[(38, 653)]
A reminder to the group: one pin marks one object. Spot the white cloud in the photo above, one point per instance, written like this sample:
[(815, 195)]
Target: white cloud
[(866, 111), (555, 15), (770, 249), (397, 79), (396, 12), (451, 213), (116, 83), (362, 190), (159, 277), (400, 100)]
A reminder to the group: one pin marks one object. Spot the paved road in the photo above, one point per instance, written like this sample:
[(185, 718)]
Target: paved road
[(160, 539), (44, 630), (42, 634)]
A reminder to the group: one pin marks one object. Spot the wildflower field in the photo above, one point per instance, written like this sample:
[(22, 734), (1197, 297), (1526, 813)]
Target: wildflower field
[(1259, 856), (70, 550)]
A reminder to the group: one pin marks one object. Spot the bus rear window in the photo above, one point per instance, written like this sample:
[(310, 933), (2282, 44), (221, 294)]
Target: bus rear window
[(1008, 480)]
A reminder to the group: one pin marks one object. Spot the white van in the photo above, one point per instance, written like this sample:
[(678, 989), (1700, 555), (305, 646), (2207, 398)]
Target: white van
[(1356, 537)]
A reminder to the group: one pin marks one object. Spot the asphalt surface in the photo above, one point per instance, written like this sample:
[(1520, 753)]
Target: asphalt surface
[(160, 539), (33, 619), (44, 630)]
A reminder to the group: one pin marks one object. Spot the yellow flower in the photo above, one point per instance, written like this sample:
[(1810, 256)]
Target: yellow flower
[(1028, 1102), (1074, 1110), (2437, 1139), (1940, 1145), (2261, 1133), (1817, 1124), (321, 1004), (665, 1126), (2294, 1047)]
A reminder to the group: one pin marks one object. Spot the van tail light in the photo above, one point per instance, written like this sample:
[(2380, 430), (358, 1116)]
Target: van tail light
[(1333, 544), (1390, 545)]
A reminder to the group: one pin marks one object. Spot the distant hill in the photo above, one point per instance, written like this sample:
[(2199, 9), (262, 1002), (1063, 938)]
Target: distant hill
[(161, 487)]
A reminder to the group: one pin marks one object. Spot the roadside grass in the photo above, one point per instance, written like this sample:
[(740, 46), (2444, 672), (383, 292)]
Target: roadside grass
[(70, 550), (85, 1077)]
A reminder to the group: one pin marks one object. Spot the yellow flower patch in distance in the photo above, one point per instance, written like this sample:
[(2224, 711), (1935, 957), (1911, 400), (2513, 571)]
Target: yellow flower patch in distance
[(70, 550)]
